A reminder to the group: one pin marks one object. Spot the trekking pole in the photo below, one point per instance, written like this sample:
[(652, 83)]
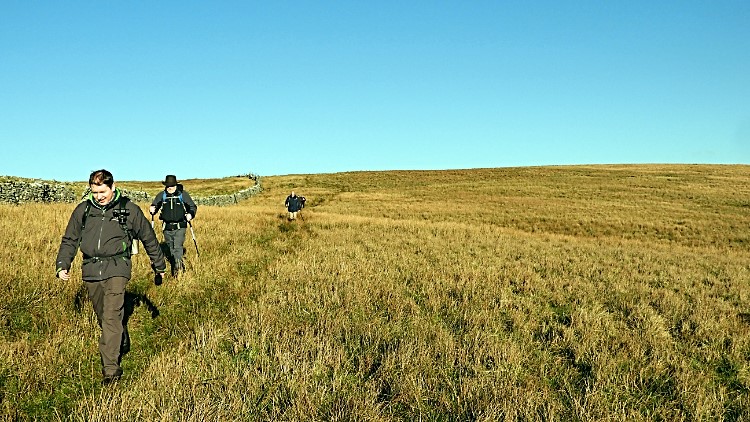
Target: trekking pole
[(192, 233), (195, 242)]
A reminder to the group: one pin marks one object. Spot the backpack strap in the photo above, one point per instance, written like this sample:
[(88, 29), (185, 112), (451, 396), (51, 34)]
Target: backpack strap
[(122, 217), (83, 221), (85, 215), (121, 214)]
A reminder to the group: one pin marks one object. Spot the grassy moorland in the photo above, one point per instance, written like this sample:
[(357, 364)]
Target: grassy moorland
[(579, 293)]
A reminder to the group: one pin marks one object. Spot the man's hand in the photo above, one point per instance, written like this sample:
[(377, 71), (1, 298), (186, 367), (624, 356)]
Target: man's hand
[(152, 210), (64, 275), (188, 217)]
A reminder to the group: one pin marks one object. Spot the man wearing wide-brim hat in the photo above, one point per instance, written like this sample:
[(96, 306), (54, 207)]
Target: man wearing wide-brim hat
[(177, 209)]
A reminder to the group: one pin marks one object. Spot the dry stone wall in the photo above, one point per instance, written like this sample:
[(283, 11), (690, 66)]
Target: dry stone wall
[(18, 191)]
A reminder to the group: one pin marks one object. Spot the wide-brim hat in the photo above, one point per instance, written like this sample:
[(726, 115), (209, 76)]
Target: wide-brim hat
[(170, 180)]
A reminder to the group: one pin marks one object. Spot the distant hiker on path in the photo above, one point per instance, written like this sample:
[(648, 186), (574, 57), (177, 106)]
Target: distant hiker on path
[(293, 205), (104, 227), (177, 209)]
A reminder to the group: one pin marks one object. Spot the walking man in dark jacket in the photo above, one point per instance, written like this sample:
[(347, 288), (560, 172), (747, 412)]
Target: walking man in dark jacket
[(293, 205), (104, 227), (177, 209)]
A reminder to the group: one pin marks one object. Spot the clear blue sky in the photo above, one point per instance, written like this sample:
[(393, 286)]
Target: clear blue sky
[(218, 88)]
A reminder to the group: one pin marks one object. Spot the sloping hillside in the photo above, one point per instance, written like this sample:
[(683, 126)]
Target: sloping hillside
[(548, 293)]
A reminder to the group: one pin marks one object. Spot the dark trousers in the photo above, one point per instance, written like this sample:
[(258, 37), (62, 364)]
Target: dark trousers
[(175, 240), (108, 299)]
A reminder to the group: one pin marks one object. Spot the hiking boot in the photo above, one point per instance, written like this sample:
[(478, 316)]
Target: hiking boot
[(125, 343), (111, 379), (178, 268)]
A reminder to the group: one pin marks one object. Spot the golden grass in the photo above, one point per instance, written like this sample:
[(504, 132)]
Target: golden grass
[(550, 293)]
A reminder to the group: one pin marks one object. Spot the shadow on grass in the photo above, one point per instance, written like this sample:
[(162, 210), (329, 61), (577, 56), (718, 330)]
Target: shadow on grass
[(132, 301)]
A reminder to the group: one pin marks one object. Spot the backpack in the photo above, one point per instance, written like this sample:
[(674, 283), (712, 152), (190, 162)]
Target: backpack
[(172, 215)]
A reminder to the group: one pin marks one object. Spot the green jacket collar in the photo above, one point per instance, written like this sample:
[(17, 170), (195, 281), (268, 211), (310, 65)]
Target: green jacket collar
[(110, 204)]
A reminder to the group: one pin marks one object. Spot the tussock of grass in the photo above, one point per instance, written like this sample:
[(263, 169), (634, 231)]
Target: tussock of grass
[(551, 293)]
